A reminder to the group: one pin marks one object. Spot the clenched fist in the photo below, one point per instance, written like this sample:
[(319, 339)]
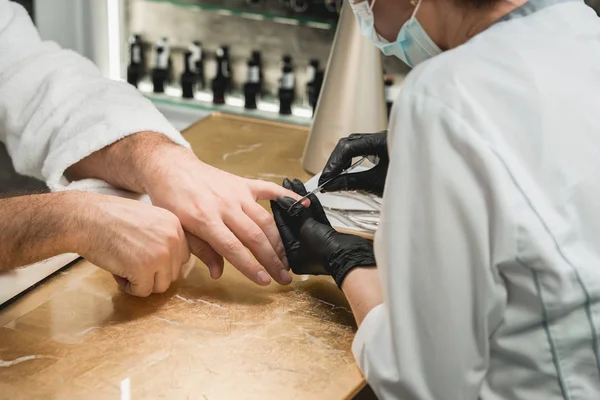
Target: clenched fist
[(143, 246)]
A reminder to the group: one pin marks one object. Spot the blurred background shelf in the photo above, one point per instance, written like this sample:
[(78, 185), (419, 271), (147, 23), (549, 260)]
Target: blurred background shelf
[(265, 11), (202, 106)]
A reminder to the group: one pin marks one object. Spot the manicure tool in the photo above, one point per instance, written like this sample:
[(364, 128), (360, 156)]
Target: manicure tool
[(321, 187)]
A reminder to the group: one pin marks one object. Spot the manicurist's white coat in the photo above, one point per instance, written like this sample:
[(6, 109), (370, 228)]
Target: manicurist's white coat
[(489, 245)]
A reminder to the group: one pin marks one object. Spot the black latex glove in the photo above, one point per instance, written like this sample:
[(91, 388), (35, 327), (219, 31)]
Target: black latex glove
[(357, 145), (312, 246)]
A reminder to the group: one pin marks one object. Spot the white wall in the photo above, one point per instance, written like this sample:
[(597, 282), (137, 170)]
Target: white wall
[(80, 25)]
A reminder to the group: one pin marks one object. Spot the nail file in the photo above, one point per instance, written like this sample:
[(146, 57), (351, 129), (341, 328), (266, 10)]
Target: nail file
[(322, 186)]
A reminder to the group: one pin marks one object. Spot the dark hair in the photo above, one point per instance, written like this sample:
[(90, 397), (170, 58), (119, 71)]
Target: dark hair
[(480, 3)]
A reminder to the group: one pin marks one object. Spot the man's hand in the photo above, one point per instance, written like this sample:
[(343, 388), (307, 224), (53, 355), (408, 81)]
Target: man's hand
[(312, 245), (143, 246), (357, 145), (217, 209), (221, 210)]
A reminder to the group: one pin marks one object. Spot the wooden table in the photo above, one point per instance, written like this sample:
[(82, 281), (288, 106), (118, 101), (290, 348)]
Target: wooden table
[(78, 336)]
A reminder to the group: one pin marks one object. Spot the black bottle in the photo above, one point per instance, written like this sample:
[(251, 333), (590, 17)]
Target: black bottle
[(318, 84), (257, 58), (224, 52), (300, 6), (389, 99), (311, 73), (135, 69), (167, 47), (252, 86), (198, 63), (219, 83), (188, 77), (286, 91), (287, 62), (162, 66)]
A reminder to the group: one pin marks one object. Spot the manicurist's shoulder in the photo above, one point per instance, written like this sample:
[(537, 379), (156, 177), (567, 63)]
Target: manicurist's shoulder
[(485, 68)]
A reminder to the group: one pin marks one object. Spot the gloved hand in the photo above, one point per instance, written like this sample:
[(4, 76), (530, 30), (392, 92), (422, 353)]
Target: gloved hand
[(357, 145), (312, 246)]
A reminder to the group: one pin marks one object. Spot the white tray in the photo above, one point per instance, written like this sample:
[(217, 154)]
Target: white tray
[(337, 200)]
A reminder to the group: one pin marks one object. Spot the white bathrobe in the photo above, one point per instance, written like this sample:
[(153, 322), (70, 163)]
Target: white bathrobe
[(56, 108)]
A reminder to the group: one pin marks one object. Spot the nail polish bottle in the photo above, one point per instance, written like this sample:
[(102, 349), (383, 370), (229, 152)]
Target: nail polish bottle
[(224, 50), (135, 69), (252, 86), (318, 84), (219, 83), (188, 77), (198, 63), (311, 73), (287, 62), (286, 90), (257, 58), (162, 66)]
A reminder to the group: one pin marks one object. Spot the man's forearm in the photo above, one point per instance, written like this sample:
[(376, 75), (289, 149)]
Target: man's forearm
[(130, 163), (34, 228), (363, 291)]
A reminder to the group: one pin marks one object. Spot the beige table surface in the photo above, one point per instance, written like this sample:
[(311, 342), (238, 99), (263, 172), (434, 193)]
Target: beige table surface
[(77, 336)]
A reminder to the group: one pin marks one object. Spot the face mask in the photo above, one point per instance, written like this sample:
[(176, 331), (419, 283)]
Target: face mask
[(413, 45)]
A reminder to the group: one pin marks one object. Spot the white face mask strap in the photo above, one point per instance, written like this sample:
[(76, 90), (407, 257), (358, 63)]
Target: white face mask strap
[(372, 5), (417, 4)]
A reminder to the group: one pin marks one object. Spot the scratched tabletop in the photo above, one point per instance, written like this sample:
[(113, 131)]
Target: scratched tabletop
[(77, 336)]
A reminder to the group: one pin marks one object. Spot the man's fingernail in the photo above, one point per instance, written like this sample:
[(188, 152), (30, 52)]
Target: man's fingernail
[(285, 276), (263, 278), (214, 271)]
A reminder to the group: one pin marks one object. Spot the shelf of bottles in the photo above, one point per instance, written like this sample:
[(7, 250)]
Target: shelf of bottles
[(267, 108), (321, 14), (194, 89)]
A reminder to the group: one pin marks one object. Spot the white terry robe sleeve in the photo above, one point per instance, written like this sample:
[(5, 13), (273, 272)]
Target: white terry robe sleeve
[(56, 108), (440, 233)]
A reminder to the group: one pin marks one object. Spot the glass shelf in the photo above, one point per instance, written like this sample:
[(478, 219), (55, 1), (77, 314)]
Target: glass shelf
[(257, 13), (233, 105)]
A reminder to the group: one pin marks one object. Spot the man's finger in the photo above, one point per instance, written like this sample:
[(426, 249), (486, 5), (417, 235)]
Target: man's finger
[(207, 255), (266, 222), (253, 237), (220, 238), (122, 282), (183, 255), (141, 285), (269, 191), (162, 280)]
